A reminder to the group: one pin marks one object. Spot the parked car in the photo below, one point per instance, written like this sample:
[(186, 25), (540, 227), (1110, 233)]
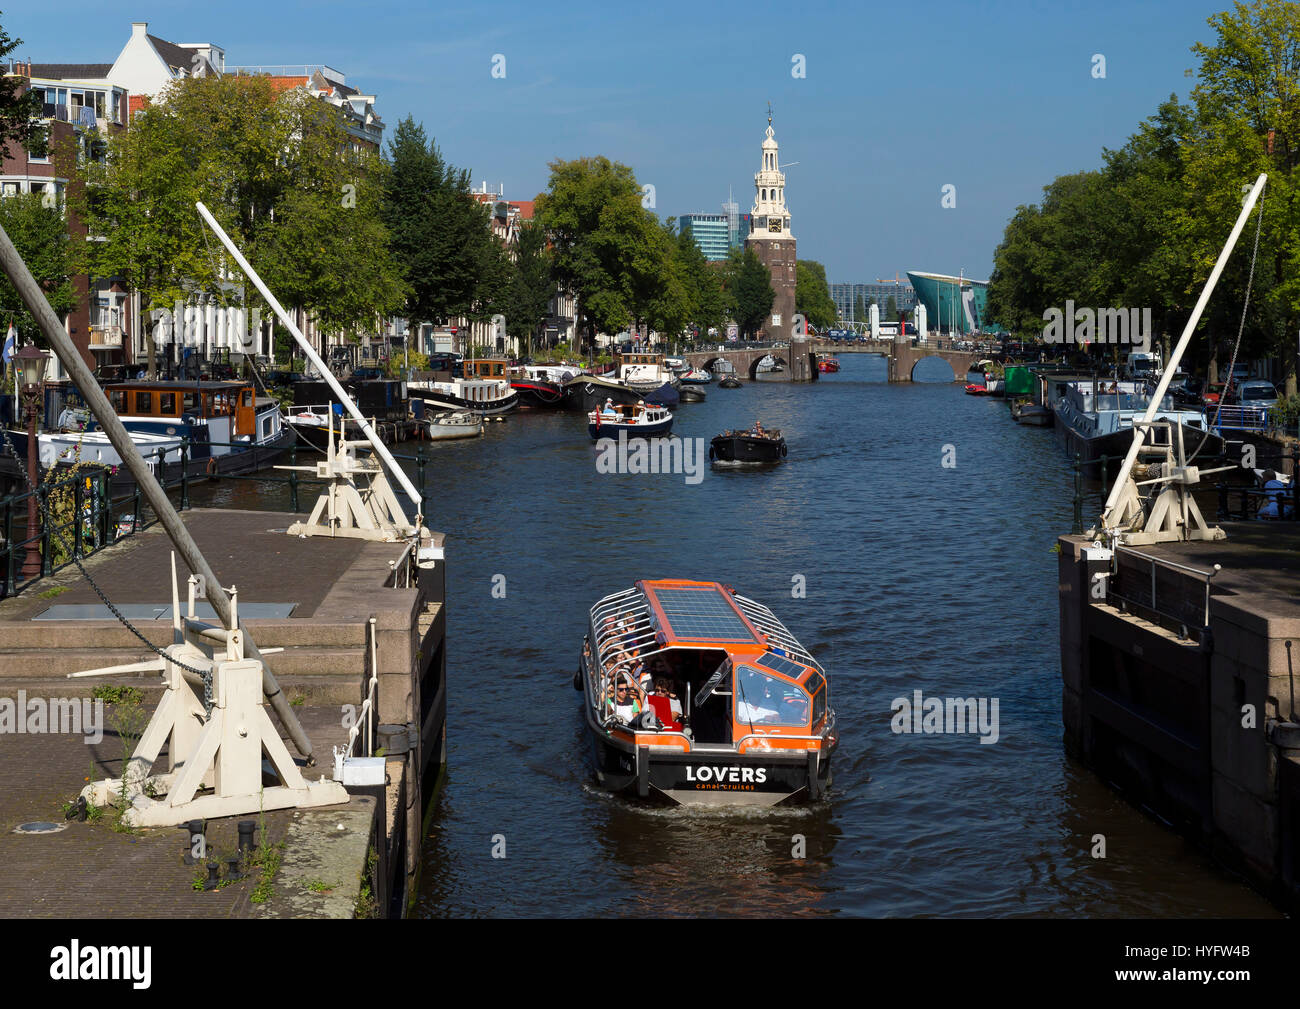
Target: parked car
[(1212, 392), (1256, 393)]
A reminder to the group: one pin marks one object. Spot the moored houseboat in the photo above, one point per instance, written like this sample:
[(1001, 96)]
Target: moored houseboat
[(218, 427), (694, 694), (481, 385)]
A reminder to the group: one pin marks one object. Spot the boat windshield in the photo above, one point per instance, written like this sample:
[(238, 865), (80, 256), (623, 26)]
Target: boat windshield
[(769, 700)]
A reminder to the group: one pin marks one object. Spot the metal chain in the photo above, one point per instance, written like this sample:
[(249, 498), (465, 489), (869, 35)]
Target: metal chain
[(43, 505)]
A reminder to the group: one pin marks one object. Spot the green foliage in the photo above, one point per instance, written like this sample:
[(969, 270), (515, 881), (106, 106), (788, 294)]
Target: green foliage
[(116, 694), (40, 234), (267, 860), (859, 309), (1146, 229), (527, 298), (278, 172), (18, 107), (395, 366), (1285, 414), (749, 290), (53, 593), (812, 294), (440, 235), (891, 310), (707, 306)]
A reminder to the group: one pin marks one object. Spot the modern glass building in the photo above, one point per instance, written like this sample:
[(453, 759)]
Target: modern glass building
[(846, 296), (711, 233), (951, 303)]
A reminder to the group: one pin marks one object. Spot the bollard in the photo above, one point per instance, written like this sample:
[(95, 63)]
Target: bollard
[(246, 829), (212, 882), (193, 830), (1078, 496), (232, 869)]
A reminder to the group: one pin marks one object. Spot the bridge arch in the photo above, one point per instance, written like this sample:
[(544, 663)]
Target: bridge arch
[(947, 366), (753, 365)]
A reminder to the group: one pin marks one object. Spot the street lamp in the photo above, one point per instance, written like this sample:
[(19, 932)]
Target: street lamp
[(29, 365)]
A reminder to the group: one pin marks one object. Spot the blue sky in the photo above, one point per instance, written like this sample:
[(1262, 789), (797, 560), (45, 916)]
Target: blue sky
[(899, 99)]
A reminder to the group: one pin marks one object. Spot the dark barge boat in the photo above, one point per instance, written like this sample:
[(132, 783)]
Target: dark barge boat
[(755, 447), (754, 725)]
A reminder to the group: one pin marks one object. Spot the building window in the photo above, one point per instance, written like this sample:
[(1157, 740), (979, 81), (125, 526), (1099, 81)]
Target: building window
[(776, 320)]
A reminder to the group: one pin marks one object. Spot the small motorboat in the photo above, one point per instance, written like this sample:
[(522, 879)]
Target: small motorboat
[(828, 365), (754, 447), (975, 389), (691, 394), (461, 424), (634, 420), (697, 376), (729, 382), (736, 711), (1030, 414)]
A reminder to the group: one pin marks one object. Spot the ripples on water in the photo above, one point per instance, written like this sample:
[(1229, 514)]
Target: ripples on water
[(918, 577)]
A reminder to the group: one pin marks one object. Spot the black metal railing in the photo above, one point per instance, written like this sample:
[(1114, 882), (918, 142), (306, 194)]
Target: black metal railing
[(80, 514)]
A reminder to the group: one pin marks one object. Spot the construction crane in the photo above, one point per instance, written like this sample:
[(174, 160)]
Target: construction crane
[(896, 281)]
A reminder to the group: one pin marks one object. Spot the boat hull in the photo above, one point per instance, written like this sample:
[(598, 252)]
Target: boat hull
[(444, 401), (589, 393), (747, 449), (718, 777), (612, 429), (539, 395)]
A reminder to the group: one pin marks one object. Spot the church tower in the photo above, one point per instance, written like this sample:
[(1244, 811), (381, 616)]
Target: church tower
[(770, 237)]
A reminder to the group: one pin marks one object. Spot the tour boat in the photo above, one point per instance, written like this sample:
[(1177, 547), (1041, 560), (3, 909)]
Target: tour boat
[(745, 718), (638, 420), (482, 386), (219, 427), (755, 446)]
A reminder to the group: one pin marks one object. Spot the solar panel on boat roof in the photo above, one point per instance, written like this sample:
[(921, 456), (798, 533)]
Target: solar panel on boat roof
[(702, 615), (781, 665)]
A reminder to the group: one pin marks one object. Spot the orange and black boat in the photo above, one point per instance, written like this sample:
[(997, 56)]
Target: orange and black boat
[(694, 694)]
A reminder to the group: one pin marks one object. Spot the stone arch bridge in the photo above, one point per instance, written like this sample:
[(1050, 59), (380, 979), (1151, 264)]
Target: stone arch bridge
[(902, 357)]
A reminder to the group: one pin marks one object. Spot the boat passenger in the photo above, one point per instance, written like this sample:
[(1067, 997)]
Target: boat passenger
[(758, 429), (626, 700), (608, 409), (664, 689)]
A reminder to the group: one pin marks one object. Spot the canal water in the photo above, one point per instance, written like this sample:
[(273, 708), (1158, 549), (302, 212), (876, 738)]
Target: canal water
[(916, 575)]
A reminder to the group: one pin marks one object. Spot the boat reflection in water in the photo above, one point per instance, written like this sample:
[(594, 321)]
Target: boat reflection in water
[(693, 694)]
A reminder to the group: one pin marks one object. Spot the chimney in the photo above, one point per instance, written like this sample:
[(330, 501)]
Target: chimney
[(139, 29)]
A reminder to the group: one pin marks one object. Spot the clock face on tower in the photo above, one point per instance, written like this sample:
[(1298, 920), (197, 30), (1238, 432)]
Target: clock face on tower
[(774, 224)]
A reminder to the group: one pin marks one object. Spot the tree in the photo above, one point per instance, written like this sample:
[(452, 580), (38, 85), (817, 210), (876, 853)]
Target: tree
[(812, 295), (750, 289), (592, 213), (19, 106), (707, 299), (278, 173), (40, 234), (859, 309), (528, 300), (440, 235), (891, 309)]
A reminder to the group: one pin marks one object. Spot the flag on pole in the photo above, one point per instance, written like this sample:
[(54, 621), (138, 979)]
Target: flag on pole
[(11, 347)]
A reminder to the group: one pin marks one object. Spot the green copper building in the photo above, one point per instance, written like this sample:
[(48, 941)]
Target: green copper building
[(951, 303)]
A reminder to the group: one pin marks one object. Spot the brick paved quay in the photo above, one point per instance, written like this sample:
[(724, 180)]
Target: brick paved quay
[(338, 586)]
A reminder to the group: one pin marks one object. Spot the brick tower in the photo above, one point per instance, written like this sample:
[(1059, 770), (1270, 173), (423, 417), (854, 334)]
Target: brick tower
[(770, 237)]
